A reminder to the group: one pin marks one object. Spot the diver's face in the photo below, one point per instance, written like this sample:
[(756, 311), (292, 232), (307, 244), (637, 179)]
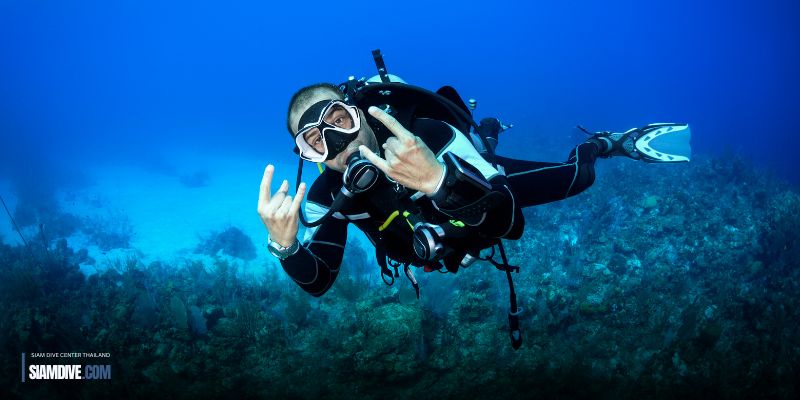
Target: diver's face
[(337, 117), (365, 136)]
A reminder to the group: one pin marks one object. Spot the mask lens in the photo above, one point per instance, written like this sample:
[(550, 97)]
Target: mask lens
[(313, 138), (339, 117)]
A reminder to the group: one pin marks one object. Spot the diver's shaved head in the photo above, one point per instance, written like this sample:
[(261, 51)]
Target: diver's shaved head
[(305, 97)]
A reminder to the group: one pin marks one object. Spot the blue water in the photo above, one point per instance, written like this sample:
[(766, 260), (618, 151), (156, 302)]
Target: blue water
[(93, 82)]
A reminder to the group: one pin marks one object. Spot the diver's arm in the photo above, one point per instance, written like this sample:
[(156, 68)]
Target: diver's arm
[(504, 220), (315, 266), (465, 194)]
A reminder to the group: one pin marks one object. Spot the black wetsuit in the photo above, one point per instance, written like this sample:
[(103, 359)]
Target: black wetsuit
[(536, 182), (387, 211)]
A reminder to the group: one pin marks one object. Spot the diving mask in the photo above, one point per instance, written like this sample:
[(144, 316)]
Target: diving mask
[(325, 130)]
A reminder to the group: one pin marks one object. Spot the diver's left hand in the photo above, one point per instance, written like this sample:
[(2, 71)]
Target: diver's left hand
[(408, 161)]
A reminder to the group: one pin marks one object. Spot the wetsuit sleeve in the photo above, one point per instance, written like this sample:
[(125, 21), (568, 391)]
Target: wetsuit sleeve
[(504, 219), (315, 266)]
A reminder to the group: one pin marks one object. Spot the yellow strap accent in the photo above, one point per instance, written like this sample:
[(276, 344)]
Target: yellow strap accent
[(389, 220), (319, 167), (406, 214)]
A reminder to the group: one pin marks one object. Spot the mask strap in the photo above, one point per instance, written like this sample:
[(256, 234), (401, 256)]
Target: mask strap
[(296, 187), (299, 175)]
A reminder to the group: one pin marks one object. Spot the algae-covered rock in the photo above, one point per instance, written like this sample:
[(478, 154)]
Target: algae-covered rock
[(618, 264), (225, 327), (387, 342), (650, 202), (471, 307), (590, 309), (232, 241), (595, 304)]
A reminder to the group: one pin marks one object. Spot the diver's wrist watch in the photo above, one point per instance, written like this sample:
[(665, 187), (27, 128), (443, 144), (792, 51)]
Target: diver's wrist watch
[(281, 252)]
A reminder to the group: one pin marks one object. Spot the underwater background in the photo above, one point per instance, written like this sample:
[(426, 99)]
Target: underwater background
[(133, 136)]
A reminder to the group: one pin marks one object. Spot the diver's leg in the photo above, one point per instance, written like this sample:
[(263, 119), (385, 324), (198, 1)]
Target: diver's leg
[(540, 182)]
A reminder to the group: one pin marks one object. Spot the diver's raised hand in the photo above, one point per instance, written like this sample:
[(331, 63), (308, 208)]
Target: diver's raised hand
[(279, 212), (408, 160)]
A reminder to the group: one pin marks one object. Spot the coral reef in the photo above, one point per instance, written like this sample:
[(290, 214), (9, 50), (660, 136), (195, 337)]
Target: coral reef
[(232, 241), (683, 286), (112, 230)]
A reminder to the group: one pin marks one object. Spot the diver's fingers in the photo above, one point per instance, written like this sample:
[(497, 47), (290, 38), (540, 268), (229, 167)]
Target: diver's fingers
[(374, 158), (284, 208), (264, 192), (277, 198), (392, 143), (298, 199), (284, 187), (397, 129), (390, 156)]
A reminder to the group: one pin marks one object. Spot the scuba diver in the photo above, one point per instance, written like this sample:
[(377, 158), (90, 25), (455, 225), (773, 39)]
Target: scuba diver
[(414, 172)]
